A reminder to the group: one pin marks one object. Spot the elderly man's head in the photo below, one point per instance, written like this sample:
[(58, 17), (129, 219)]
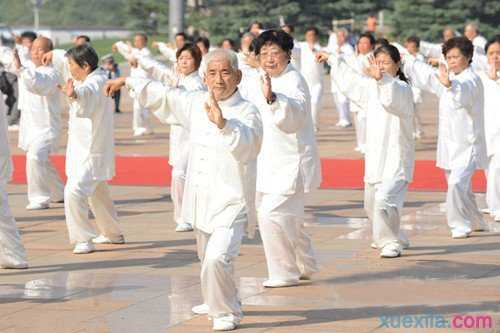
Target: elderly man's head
[(448, 33), (40, 46), (470, 31), (222, 75)]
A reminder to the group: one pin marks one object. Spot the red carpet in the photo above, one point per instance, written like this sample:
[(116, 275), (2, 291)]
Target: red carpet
[(337, 173)]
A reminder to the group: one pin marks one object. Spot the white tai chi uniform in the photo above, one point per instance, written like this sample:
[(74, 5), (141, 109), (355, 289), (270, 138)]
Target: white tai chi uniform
[(390, 148), (461, 146), (220, 185), (313, 72), (358, 62), (417, 100), (179, 135), (90, 162), (288, 168), (12, 253), (141, 123), (39, 132), (492, 132), (341, 101)]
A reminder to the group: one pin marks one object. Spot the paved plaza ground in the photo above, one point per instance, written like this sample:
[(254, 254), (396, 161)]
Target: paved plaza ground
[(150, 283)]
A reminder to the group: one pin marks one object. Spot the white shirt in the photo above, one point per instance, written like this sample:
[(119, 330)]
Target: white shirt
[(461, 117), (220, 181), (91, 130), (289, 153), (491, 113), (310, 69), (41, 115), (130, 53), (390, 147), (6, 167)]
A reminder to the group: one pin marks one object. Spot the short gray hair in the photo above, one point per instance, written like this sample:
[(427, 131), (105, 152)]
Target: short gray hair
[(343, 30), (221, 54)]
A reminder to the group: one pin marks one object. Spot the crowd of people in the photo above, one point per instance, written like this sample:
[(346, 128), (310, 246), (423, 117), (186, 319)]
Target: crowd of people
[(243, 151)]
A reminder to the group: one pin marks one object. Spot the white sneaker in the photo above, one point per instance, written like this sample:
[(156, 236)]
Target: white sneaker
[(37, 206), (201, 309), (83, 248), (459, 234), (226, 323), (497, 218), (183, 227), (390, 251), (101, 239), (343, 123), (486, 210), (19, 265), (279, 283)]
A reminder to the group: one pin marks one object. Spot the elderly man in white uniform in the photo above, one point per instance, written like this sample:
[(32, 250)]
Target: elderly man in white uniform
[(288, 165), (12, 253), (90, 156), (461, 147), (225, 137), (312, 71), (340, 47), (40, 125), (141, 122), (491, 83)]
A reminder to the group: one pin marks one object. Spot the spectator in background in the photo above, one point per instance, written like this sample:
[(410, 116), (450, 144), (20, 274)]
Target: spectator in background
[(256, 28), (228, 44), (203, 44), (112, 71), (81, 40)]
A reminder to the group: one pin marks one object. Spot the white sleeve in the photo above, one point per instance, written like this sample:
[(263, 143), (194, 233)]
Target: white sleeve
[(125, 50), (430, 50), (156, 69), (351, 83), (163, 101), (40, 83), (422, 75), (167, 52), (87, 98), (60, 63)]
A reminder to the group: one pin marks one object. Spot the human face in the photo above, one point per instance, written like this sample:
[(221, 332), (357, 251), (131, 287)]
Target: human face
[(186, 63), (364, 45), (139, 42), (387, 65), (179, 41), (287, 30), (411, 47), (227, 45), (80, 41), (448, 34), (77, 72), (371, 24), (38, 49), (457, 62), (494, 55), (27, 42), (311, 37), (470, 32), (221, 78), (341, 38), (273, 60), (202, 48), (245, 43), (255, 29)]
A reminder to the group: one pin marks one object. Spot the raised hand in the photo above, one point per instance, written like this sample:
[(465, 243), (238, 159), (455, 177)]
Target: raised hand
[(267, 88), (492, 71), (214, 112), (17, 60), (444, 75), (113, 86), (68, 89), (373, 70), (322, 56), (155, 45), (133, 63), (114, 48), (47, 58)]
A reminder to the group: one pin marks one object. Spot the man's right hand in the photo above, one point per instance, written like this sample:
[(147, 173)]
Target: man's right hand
[(113, 86)]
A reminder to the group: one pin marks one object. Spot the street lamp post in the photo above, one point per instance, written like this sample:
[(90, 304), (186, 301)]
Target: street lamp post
[(37, 4), (176, 18)]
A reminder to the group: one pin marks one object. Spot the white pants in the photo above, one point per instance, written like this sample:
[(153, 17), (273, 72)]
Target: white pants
[(493, 185), (316, 91), (417, 122), (141, 118), (217, 252), (288, 249), (177, 193), (44, 183), (383, 204), (79, 196), (462, 212), (342, 106), (360, 128), (11, 249)]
